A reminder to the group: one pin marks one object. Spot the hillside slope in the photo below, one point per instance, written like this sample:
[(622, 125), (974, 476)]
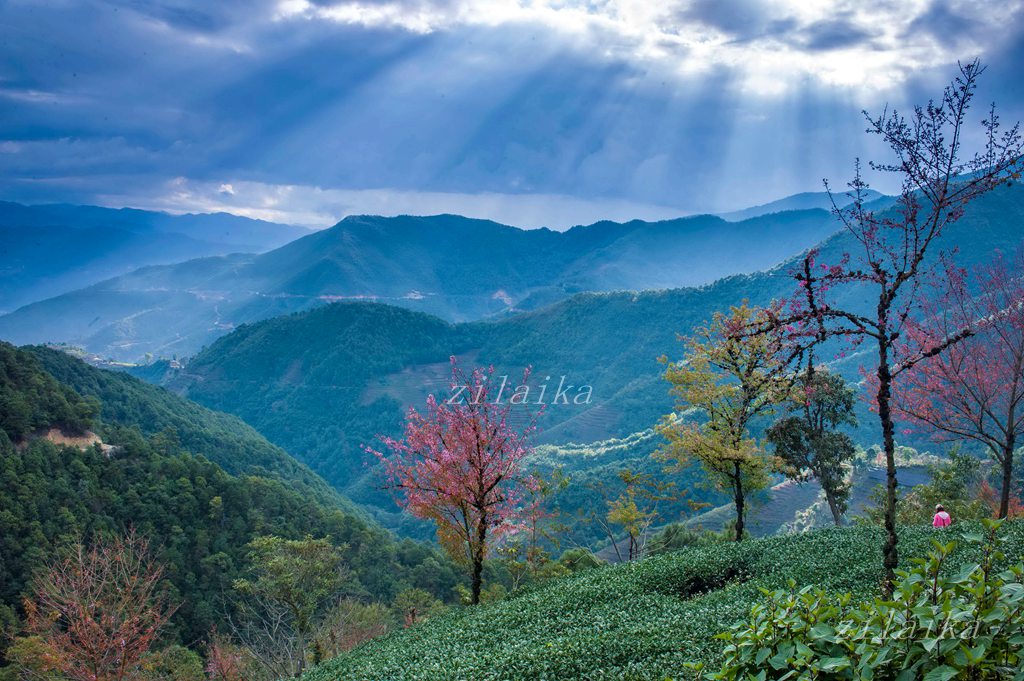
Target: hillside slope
[(641, 620), (224, 439)]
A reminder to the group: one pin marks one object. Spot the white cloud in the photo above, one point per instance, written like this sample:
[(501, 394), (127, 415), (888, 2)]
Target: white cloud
[(772, 44), (318, 207)]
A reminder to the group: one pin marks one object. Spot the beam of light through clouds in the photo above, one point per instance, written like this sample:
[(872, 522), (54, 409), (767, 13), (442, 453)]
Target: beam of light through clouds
[(532, 112)]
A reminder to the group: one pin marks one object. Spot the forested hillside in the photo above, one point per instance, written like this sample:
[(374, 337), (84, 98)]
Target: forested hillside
[(126, 402), (168, 477), (31, 400)]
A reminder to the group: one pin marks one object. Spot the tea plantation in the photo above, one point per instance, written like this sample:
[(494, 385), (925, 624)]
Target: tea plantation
[(643, 620)]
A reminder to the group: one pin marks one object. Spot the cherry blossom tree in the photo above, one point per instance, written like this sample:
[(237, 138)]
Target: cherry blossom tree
[(870, 295), (226, 661), (975, 389), (460, 464), (98, 610)]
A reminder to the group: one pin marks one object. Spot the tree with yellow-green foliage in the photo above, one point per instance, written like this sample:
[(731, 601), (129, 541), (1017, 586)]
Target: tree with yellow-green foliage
[(730, 380), (635, 510)]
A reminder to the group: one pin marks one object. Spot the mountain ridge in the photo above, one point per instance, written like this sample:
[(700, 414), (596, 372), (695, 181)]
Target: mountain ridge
[(460, 269), (805, 200)]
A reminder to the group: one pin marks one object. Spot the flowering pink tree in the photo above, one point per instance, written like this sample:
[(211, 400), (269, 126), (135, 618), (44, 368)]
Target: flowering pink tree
[(460, 464), (975, 389), (894, 251), (224, 661), (98, 610)]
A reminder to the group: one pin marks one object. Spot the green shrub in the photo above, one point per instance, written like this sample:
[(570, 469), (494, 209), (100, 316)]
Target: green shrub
[(968, 625)]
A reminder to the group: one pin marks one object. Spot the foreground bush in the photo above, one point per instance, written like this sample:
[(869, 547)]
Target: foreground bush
[(969, 625)]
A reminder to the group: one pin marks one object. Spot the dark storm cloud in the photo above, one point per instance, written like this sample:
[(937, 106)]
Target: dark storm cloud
[(749, 20), (153, 100), (742, 20), (946, 24), (831, 35)]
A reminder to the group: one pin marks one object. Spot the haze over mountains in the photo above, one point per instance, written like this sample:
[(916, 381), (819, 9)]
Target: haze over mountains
[(52, 249), (458, 268)]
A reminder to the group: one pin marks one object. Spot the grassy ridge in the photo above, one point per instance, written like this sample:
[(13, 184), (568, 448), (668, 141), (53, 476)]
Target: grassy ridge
[(643, 620)]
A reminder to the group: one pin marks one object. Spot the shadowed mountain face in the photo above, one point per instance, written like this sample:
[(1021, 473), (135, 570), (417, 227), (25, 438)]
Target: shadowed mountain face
[(49, 250), (456, 268), (323, 382)]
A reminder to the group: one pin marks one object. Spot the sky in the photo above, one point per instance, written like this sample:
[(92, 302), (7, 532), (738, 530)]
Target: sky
[(529, 112)]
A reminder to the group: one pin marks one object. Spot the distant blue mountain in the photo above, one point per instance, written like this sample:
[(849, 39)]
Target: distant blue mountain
[(49, 250), (803, 201)]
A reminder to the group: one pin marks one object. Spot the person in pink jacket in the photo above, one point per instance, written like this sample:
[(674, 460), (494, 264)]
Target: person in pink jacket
[(942, 518)]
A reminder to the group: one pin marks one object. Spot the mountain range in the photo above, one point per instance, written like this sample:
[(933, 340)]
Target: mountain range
[(457, 268), (321, 379)]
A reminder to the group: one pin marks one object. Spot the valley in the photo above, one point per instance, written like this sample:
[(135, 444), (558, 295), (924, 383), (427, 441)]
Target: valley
[(324, 382)]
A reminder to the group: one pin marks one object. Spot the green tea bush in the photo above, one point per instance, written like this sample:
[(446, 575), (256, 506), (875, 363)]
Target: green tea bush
[(968, 625), (642, 620)]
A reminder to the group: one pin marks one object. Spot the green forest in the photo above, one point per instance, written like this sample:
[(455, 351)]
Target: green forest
[(169, 480)]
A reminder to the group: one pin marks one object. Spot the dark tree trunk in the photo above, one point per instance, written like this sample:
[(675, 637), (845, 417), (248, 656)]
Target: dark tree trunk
[(302, 655), (837, 516), (1004, 496), (890, 554), (738, 497), (478, 561), (478, 570)]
